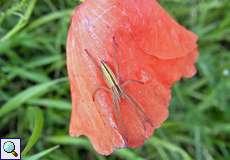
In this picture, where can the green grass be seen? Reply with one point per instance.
(34, 91)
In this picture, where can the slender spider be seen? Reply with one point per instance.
(115, 88)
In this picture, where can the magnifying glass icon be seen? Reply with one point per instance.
(9, 147)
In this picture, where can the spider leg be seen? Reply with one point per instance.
(131, 81)
(116, 64)
(139, 110)
(116, 100)
(91, 57)
(100, 88)
(120, 123)
(98, 66)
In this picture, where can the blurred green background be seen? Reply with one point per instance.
(35, 97)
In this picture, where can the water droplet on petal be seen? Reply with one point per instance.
(145, 76)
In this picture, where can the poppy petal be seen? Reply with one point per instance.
(155, 31)
(156, 55)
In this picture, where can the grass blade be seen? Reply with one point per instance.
(171, 147)
(67, 140)
(22, 22)
(38, 156)
(51, 103)
(38, 125)
(25, 95)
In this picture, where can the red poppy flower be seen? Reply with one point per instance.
(150, 47)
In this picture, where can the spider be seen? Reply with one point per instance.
(115, 87)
